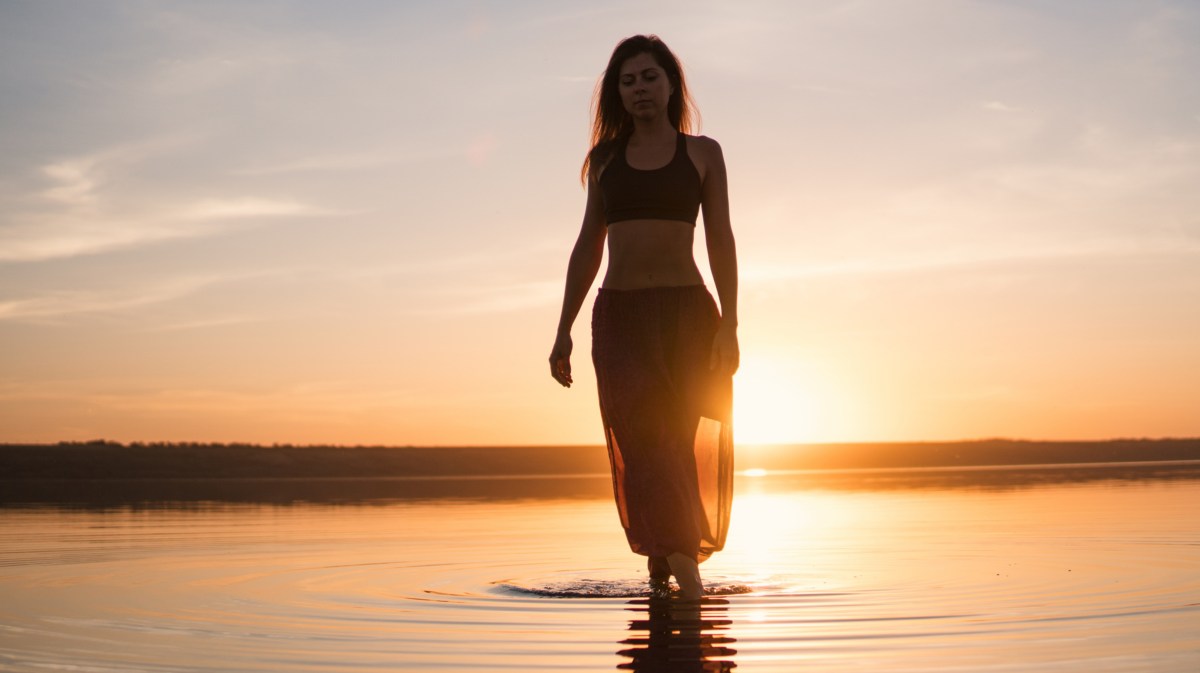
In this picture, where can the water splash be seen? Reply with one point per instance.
(592, 587)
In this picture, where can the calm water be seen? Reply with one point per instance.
(1096, 576)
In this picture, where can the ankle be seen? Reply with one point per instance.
(687, 574)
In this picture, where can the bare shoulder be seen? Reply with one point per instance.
(704, 147)
(706, 154)
(709, 144)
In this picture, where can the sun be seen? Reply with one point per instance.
(771, 404)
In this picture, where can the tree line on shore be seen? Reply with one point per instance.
(106, 459)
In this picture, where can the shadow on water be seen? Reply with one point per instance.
(674, 636)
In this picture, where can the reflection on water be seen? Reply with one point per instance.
(679, 637)
(1084, 576)
(174, 493)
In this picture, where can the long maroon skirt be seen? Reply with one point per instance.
(667, 417)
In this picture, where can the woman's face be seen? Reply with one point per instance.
(644, 86)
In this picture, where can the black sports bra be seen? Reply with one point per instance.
(668, 193)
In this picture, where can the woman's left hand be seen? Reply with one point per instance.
(725, 354)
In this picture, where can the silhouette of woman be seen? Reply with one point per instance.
(664, 355)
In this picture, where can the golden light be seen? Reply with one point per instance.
(760, 542)
(770, 403)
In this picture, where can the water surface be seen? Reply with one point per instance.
(1090, 576)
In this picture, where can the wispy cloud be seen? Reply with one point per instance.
(997, 106)
(53, 306)
(948, 260)
(340, 400)
(81, 213)
(349, 161)
(223, 209)
(41, 237)
(497, 298)
(456, 262)
(65, 302)
(205, 323)
(75, 181)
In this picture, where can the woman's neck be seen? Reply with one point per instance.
(653, 130)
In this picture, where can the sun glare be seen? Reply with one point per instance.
(770, 404)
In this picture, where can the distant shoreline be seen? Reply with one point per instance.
(109, 475)
(111, 460)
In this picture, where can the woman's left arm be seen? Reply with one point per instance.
(722, 254)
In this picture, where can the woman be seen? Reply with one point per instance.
(664, 356)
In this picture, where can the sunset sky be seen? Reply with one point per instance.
(348, 223)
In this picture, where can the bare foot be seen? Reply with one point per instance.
(687, 573)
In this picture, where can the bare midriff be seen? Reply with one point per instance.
(650, 253)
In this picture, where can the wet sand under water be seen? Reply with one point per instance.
(1095, 576)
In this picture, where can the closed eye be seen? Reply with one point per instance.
(649, 74)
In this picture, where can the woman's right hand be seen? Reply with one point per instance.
(560, 359)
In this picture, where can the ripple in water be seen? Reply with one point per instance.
(1079, 580)
(575, 585)
(678, 637)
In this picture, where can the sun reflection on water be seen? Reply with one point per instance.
(844, 580)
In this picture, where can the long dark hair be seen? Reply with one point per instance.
(611, 122)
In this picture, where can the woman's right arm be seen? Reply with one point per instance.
(581, 272)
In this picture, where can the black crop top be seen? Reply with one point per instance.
(668, 193)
